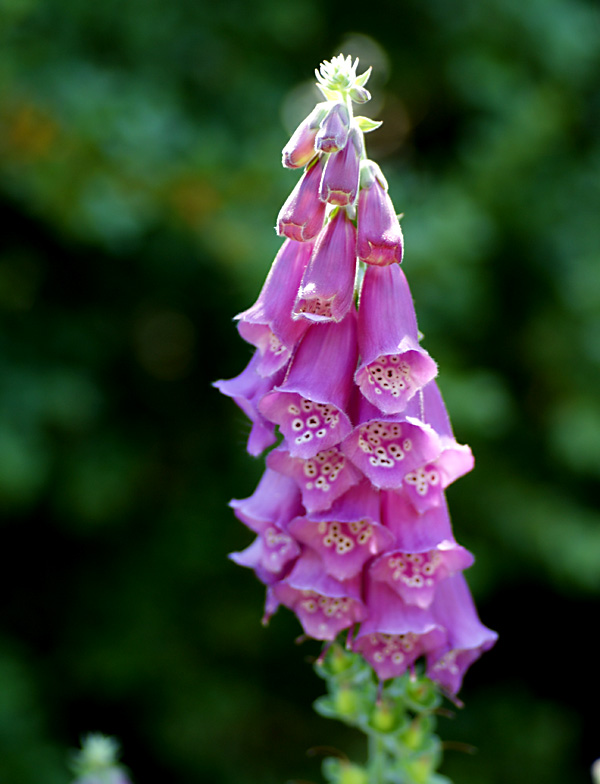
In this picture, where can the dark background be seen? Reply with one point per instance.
(140, 180)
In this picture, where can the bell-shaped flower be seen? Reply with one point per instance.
(310, 407)
(247, 390)
(324, 605)
(424, 552)
(379, 236)
(301, 147)
(275, 501)
(327, 289)
(395, 634)
(322, 479)
(346, 535)
(393, 365)
(268, 324)
(386, 448)
(333, 132)
(339, 183)
(412, 531)
(467, 637)
(425, 484)
(301, 217)
(270, 555)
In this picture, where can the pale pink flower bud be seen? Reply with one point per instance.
(301, 147)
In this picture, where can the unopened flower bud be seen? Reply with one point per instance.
(360, 95)
(335, 126)
(301, 147)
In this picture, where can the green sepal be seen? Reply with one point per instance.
(366, 124)
(340, 771)
(361, 80)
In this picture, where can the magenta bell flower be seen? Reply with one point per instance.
(311, 410)
(247, 390)
(393, 365)
(339, 183)
(380, 239)
(385, 448)
(268, 324)
(335, 127)
(301, 217)
(327, 287)
(324, 605)
(301, 147)
(467, 637)
(425, 484)
(348, 534)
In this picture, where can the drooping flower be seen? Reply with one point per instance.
(333, 132)
(301, 147)
(301, 217)
(311, 409)
(324, 605)
(339, 183)
(268, 324)
(393, 365)
(247, 390)
(327, 287)
(379, 239)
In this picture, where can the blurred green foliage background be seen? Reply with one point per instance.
(140, 180)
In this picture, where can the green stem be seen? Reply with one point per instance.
(376, 759)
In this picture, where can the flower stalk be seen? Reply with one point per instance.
(352, 527)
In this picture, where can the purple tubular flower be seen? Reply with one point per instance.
(391, 655)
(425, 484)
(339, 184)
(268, 324)
(322, 479)
(379, 236)
(324, 605)
(301, 217)
(247, 390)
(393, 365)
(335, 126)
(467, 637)
(301, 147)
(275, 501)
(269, 555)
(327, 288)
(310, 408)
(385, 448)
(346, 535)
